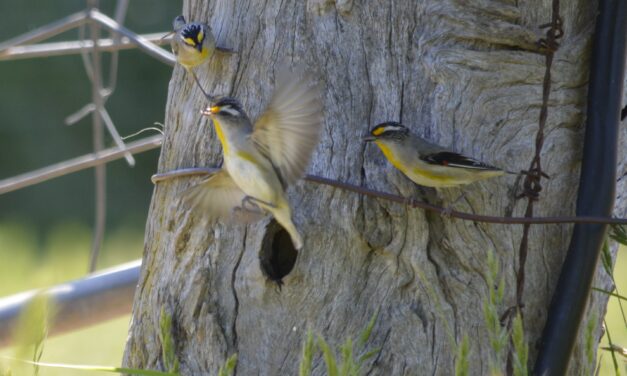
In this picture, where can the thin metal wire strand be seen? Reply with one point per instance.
(199, 171)
(532, 183)
(73, 165)
(98, 141)
(75, 47)
(105, 93)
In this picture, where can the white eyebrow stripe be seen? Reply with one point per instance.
(392, 128)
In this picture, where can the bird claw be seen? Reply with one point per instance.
(254, 202)
(248, 205)
(241, 210)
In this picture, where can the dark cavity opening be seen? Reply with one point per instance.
(278, 255)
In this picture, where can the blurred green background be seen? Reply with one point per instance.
(45, 230)
(37, 94)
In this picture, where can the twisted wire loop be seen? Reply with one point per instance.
(555, 31)
(533, 176)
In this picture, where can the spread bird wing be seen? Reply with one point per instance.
(289, 130)
(450, 159)
(219, 197)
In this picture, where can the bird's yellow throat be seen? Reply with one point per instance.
(220, 133)
(390, 156)
(225, 146)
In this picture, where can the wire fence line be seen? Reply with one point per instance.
(75, 47)
(91, 48)
(411, 202)
(149, 143)
(77, 164)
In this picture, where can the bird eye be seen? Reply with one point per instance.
(189, 41)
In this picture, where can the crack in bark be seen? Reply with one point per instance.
(376, 360)
(433, 352)
(202, 294)
(236, 299)
(400, 115)
(402, 247)
(440, 278)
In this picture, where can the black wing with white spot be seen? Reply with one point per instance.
(450, 159)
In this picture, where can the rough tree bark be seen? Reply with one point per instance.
(461, 73)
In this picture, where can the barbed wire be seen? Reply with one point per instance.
(532, 184)
(153, 142)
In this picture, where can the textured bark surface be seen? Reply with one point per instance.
(463, 74)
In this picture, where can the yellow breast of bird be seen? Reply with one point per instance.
(189, 57)
(254, 178)
(418, 171)
(390, 156)
(252, 173)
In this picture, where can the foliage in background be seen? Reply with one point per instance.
(229, 366)
(57, 87)
(461, 361)
(521, 349)
(60, 255)
(168, 352)
(496, 332)
(349, 363)
(31, 331)
(617, 233)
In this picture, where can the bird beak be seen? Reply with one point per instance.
(199, 47)
(210, 110)
(369, 138)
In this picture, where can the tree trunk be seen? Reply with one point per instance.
(466, 75)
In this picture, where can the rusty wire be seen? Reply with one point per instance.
(411, 202)
(532, 183)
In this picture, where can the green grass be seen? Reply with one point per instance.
(59, 255)
(101, 344)
(614, 320)
(62, 253)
